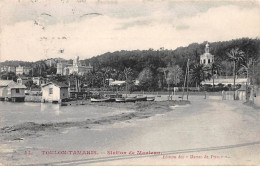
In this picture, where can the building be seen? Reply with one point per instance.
(61, 65)
(39, 81)
(23, 80)
(54, 92)
(20, 70)
(52, 62)
(207, 59)
(63, 68)
(4, 68)
(8, 69)
(12, 91)
(226, 82)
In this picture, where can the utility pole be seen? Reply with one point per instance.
(185, 80)
(188, 73)
(234, 74)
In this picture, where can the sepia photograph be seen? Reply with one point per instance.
(129, 83)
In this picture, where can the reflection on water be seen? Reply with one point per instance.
(54, 108)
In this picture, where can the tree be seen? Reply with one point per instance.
(256, 73)
(8, 76)
(164, 71)
(175, 75)
(226, 68)
(146, 79)
(128, 80)
(30, 85)
(235, 56)
(197, 74)
(214, 69)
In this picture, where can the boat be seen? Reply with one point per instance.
(150, 98)
(120, 100)
(100, 100)
(130, 99)
(141, 98)
(111, 99)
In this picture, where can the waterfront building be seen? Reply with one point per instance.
(10, 90)
(54, 92)
(20, 70)
(63, 68)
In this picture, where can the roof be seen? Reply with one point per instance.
(24, 78)
(17, 86)
(11, 84)
(58, 84)
(4, 83)
(206, 55)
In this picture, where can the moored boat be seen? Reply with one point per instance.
(100, 100)
(130, 99)
(141, 98)
(150, 98)
(120, 100)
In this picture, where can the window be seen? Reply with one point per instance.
(17, 90)
(204, 61)
(50, 90)
(209, 61)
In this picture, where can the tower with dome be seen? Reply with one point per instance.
(207, 58)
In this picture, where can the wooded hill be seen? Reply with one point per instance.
(140, 59)
(157, 69)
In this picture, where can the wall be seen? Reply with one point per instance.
(58, 93)
(257, 98)
(64, 93)
(14, 94)
(50, 97)
(3, 92)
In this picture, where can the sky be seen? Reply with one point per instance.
(32, 30)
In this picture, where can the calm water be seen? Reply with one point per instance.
(16, 113)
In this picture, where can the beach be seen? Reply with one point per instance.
(205, 131)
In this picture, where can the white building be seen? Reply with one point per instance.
(39, 81)
(63, 68)
(229, 81)
(54, 92)
(11, 91)
(207, 59)
(22, 70)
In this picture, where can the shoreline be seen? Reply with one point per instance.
(140, 110)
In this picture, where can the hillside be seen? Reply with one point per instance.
(138, 60)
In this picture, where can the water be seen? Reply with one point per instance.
(17, 113)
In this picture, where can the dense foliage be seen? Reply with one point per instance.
(159, 69)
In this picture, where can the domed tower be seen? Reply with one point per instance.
(207, 59)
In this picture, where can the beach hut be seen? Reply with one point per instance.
(12, 91)
(55, 92)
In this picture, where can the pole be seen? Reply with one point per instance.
(188, 73)
(184, 84)
(234, 74)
